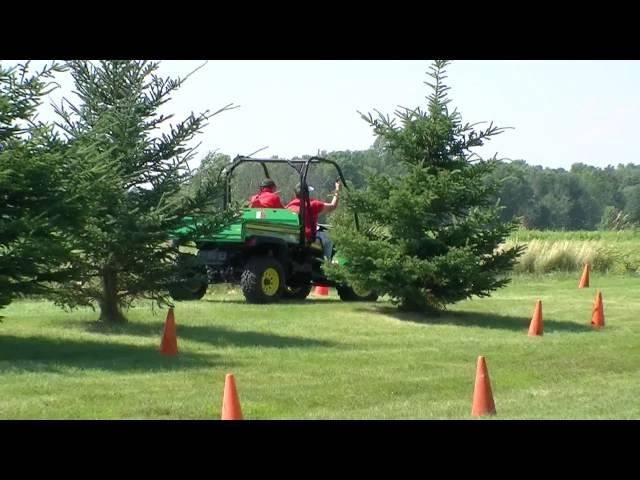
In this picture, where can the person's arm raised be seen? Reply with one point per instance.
(330, 207)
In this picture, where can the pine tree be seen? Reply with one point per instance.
(129, 177)
(35, 208)
(431, 236)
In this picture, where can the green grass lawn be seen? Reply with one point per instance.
(325, 359)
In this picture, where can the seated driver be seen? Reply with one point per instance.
(266, 198)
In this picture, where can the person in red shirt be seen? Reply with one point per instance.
(266, 198)
(313, 210)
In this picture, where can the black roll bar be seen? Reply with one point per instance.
(304, 201)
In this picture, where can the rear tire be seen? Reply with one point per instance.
(262, 280)
(347, 294)
(188, 290)
(190, 280)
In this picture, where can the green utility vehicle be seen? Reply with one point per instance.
(265, 250)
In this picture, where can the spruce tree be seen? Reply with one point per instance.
(36, 209)
(431, 236)
(129, 176)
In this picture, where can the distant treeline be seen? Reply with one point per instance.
(583, 198)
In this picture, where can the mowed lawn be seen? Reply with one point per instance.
(325, 359)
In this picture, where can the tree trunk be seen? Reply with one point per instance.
(109, 307)
(416, 301)
(411, 305)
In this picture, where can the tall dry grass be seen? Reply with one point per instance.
(551, 254)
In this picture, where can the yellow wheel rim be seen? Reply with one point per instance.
(270, 281)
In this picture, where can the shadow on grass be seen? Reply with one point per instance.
(211, 334)
(477, 319)
(46, 354)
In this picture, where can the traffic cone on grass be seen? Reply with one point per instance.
(230, 401)
(169, 343)
(584, 280)
(535, 328)
(597, 317)
(482, 396)
(321, 290)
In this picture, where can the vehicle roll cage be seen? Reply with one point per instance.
(301, 166)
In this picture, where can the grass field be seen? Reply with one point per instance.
(325, 359)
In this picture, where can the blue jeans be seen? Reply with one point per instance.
(327, 244)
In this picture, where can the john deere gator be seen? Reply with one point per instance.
(265, 251)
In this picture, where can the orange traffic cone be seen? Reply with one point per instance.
(321, 290)
(169, 343)
(482, 397)
(535, 328)
(597, 317)
(230, 401)
(584, 280)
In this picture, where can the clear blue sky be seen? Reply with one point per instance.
(562, 111)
